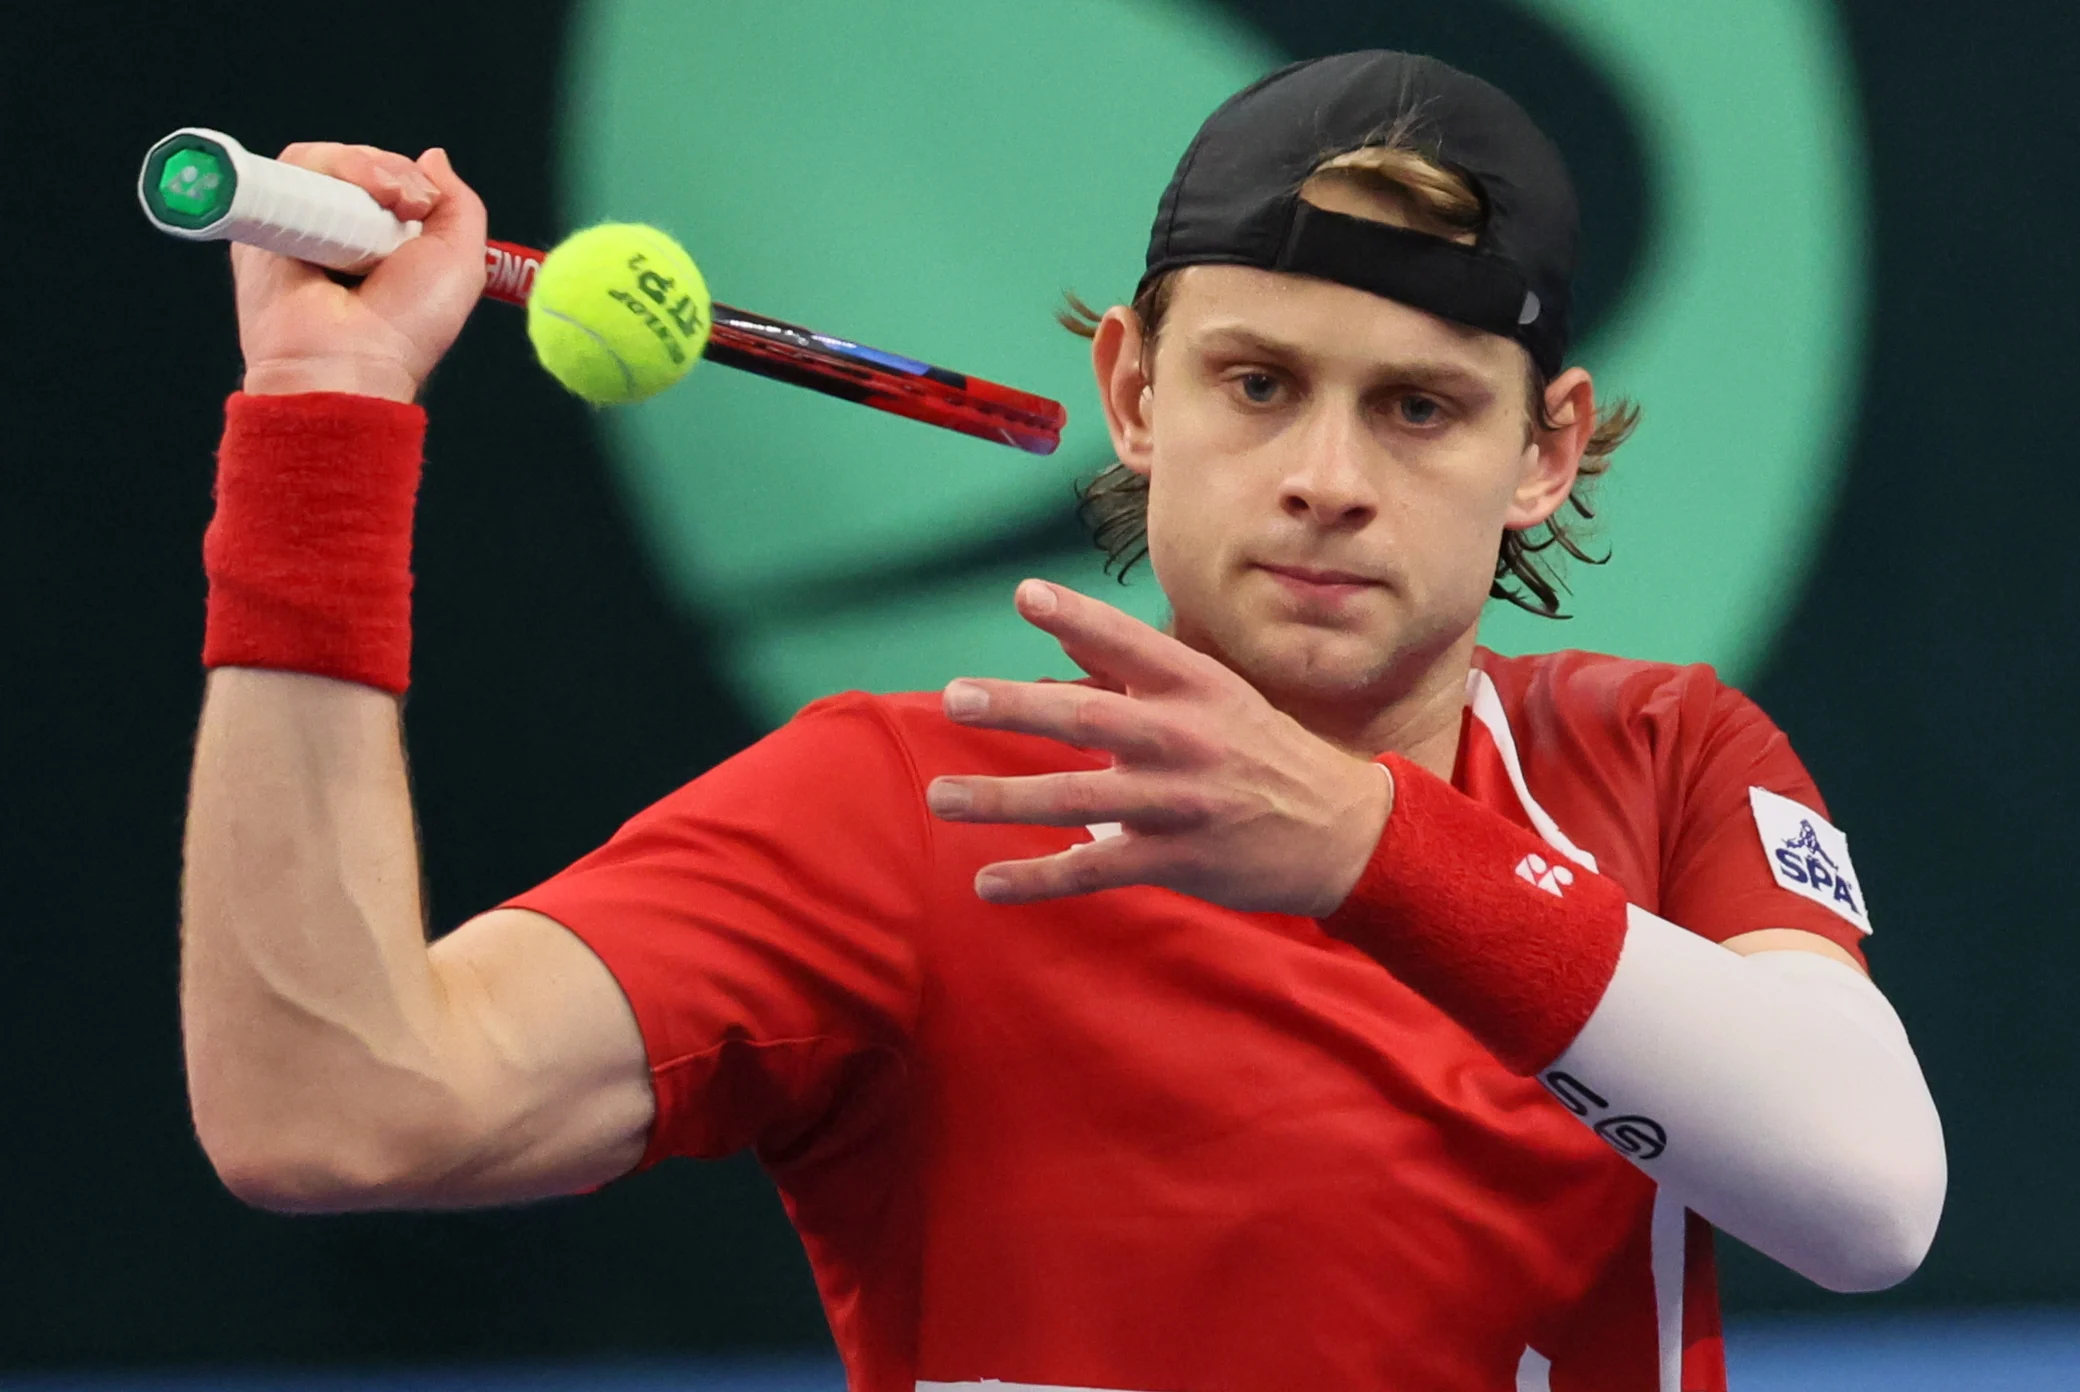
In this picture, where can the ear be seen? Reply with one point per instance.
(1117, 353)
(1553, 457)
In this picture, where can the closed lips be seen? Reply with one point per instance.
(1321, 577)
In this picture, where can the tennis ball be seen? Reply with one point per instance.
(618, 312)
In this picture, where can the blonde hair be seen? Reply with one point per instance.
(1431, 199)
(1434, 199)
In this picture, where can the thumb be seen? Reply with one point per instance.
(459, 219)
(429, 285)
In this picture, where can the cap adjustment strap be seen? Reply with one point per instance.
(1463, 284)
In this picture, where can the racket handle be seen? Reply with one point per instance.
(203, 185)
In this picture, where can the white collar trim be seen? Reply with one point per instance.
(1486, 704)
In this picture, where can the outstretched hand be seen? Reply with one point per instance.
(1218, 794)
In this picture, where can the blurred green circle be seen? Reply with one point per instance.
(929, 178)
(1742, 336)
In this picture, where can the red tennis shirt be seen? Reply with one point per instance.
(1136, 1141)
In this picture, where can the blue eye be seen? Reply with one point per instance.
(1419, 410)
(1259, 387)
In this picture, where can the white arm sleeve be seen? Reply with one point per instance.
(1775, 1095)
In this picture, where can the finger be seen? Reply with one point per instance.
(263, 277)
(460, 219)
(1083, 716)
(391, 179)
(1114, 863)
(1140, 801)
(440, 273)
(1109, 643)
(416, 194)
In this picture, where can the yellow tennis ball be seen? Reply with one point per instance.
(618, 312)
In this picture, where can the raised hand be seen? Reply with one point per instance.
(1218, 794)
(303, 331)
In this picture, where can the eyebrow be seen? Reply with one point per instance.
(1432, 374)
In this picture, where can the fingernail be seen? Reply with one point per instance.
(948, 799)
(966, 698)
(990, 886)
(1038, 596)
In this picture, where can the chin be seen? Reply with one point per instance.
(1294, 662)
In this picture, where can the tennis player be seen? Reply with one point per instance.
(1308, 999)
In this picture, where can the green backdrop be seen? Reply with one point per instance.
(902, 199)
(1825, 247)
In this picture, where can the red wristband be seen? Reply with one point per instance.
(1484, 920)
(309, 554)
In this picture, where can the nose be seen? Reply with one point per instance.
(1327, 483)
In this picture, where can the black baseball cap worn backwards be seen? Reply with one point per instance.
(1235, 198)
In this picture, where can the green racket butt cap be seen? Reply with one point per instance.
(188, 181)
(194, 183)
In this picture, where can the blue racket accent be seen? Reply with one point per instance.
(893, 361)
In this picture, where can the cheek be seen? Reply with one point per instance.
(1184, 531)
(1448, 515)
(1199, 499)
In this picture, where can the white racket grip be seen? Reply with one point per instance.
(296, 212)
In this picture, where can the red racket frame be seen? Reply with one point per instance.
(838, 367)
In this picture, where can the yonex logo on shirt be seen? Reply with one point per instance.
(1553, 879)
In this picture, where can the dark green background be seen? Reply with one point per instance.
(1926, 673)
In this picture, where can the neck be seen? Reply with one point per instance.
(1417, 716)
(1417, 711)
(1421, 722)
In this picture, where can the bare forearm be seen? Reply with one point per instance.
(307, 994)
(334, 1060)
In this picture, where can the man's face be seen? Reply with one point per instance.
(1330, 474)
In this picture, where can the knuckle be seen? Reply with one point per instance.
(1077, 795)
(310, 154)
(1087, 721)
(1167, 871)
(1173, 809)
(1175, 742)
(1190, 746)
(1196, 806)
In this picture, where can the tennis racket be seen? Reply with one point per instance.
(204, 186)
